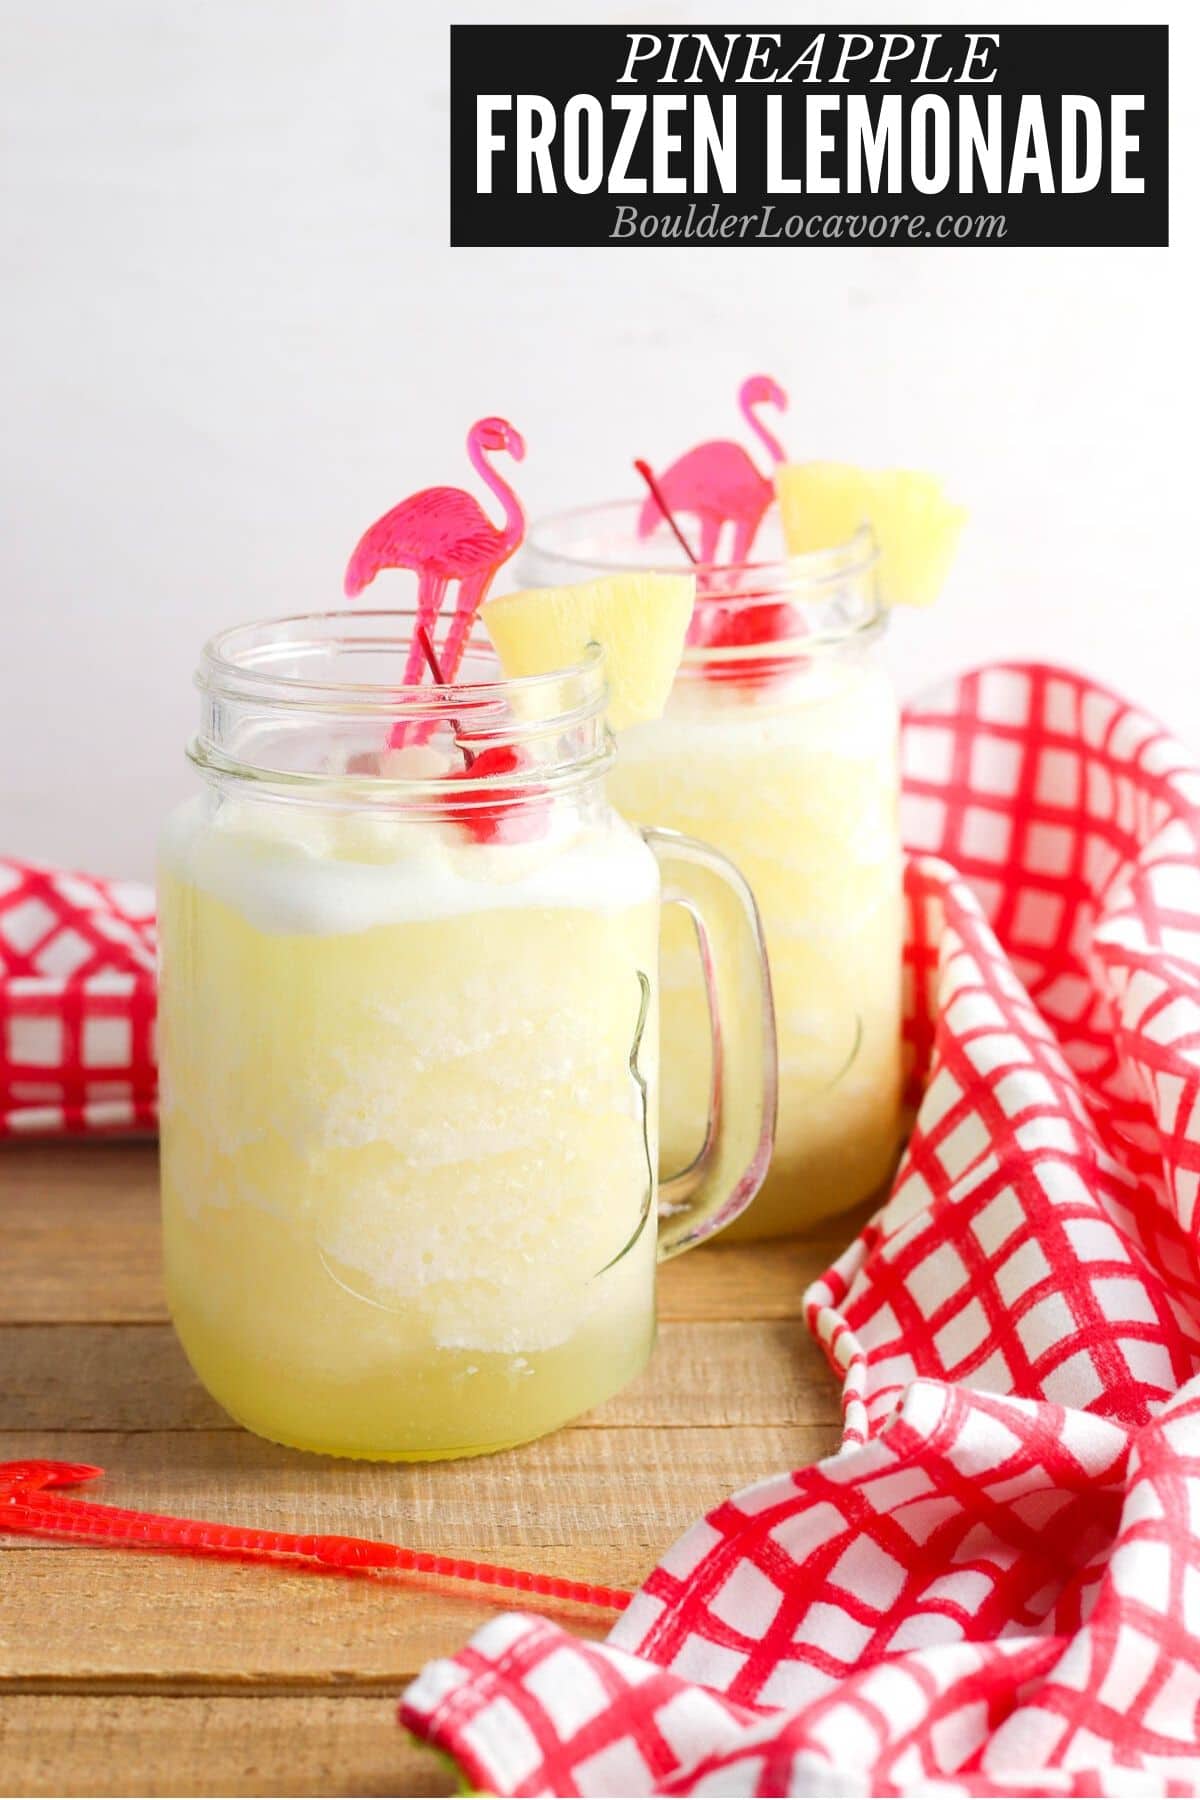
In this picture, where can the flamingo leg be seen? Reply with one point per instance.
(710, 533)
(710, 537)
(471, 592)
(431, 591)
(745, 532)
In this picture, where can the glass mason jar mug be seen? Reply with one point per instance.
(778, 746)
(409, 1047)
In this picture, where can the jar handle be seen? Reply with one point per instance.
(729, 1169)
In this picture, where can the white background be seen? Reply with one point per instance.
(234, 332)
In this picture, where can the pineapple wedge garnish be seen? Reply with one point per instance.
(640, 621)
(915, 527)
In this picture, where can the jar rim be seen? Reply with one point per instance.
(815, 585)
(270, 721)
(223, 674)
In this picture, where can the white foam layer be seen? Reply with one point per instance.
(286, 870)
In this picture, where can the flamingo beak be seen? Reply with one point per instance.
(778, 396)
(516, 445)
(355, 579)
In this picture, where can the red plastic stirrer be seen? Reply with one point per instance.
(27, 1508)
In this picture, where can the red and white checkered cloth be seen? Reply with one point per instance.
(994, 1587)
(77, 1002)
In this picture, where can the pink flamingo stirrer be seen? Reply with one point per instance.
(444, 535)
(719, 484)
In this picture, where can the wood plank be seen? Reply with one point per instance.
(597, 1505)
(215, 1744)
(136, 1378)
(95, 1621)
(751, 1281)
(81, 1245)
(576, 1491)
(80, 1232)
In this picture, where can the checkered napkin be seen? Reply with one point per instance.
(77, 1002)
(994, 1586)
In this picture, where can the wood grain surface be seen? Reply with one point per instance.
(129, 1672)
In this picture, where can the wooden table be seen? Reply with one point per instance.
(127, 1672)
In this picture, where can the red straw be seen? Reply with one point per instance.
(651, 480)
(28, 1510)
(431, 656)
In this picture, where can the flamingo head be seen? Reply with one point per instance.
(497, 434)
(760, 390)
